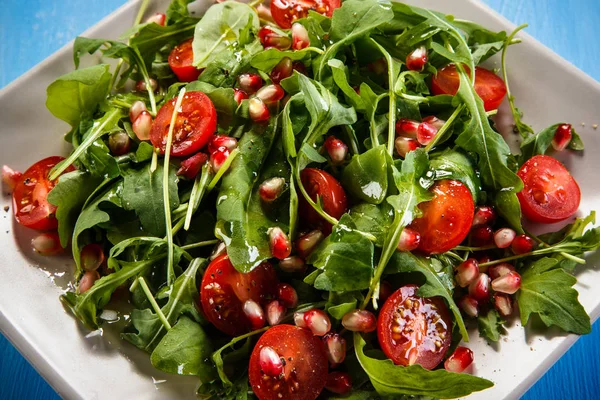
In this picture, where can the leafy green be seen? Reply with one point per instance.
(538, 143)
(366, 177)
(178, 12)
(490, 325)
(266, 60)
(373, 219)
(150, 38)
(454, 164)
(508, 206)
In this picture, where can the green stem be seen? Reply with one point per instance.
(240, 338)
(153, 302)
(472, 249)
(200, 244)
(392, 97)
(511, 99)
(445, 128)
(154, 161)
(540, 252)
(223, 169)
(197, 194)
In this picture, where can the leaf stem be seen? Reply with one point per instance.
(539, 252)
(197, 194)
(511, 99)
(223, 169)
(392, 97)
(200, 244)
(445, 127)
(152, 300)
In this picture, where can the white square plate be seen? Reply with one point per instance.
(547, 89)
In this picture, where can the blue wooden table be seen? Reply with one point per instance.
(31, 30)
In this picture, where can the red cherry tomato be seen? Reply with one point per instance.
(180, 61)
(224, 291)
(285, 12)
(195, 124)
(550, 193)
(305, 370)
(317, 182)
(446, 219)
(489, 86)
(413, 329)
(30, 197)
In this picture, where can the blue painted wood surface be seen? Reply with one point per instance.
(31, 30)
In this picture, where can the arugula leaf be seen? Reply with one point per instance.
(454, 164)
(150, 38)
(490, 325)
(538, 143)
(266, 60)
(178, 12)
(366, 177)
(508, 206)
(373, 219)
(340, 77)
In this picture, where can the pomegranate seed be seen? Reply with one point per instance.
(336, 149)
(385, 290)
(136, 109)
(467, 272)
(87, 281)
(190, 167)
(482, 235)
(459, 360)
(498, 270)
(218, 158)
(339, 382)
(469, 306)
(335, 347)
(435, 121)
(270, 94)
(279, 243)
(484, 259)
(407, 128)
(258, 110)
(264, 13)
(425, 133)
(158, 18)
(239, 95)
(275, 312)
(250, 83)
(317, 321)
(270, 362)
(255, 314)
(305, 245)
(417, 59)
(271, 189)
(282, 70)
(141, 86)
(300, 39)
(562, 137)
(10, 177)
(409, 240)
(47, 244)
(219, 249)
(265, 32)
(360, 321)
(270, 37)
(287, 295)
(299, 320)
(405, 145)
(119, 143)
(503, 303)
(522, 244)
(508, 283)
(292, 264)
(484, 215)
(378, 67)
(142, 125)
(504, 237)
(480, 288)
(92, 257)
(299, 67)
(218, 141)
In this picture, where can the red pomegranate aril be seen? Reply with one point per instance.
(562, 137)
(360, 321)
(250, 83)
(407, 128)
(299, 67)
(417, 59)
(270, 94)
(336, 149)
(498, 270)
(405, 145)
(92, 257)
(87, 281)
(275, 312)
(279, 242)
(271, 363)
(142, 86)
(305, 244)
(484, 215)
(264, 32)
(287, 295)
(258, 110)
(467, 272)
(335, 347)
(264, 13)
(282, 70)
(239, 95)
(219, 141)
(191, 166)
(119, 143)
(292, 264)
(409, 240)
(142, 125)
(509, 283)
(503, 304)
(10, 177)
(479, 289)
(460, 360)
(300, 39)
(47, 244)
(136, 109)
(339, 382)
(435, 121)
(504, 237)
(482, 235)
(469, 306)
(255, 314)
(158, 18)
(317, 321)
(426, 133)
(270, 37)
(299, 320)
(522, 244)
(271, 189)
(218, 158)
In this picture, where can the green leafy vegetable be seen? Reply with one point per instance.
(366, 177)
(490, 325)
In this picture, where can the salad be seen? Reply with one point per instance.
(308, 199)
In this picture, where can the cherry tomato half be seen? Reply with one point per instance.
(195, 124)
(285, 12)
(305, 370)
(224, 291)
(414, 330)
(489, 86)
(319, 183)
(30, 197)
(446, 219)
(550, 193)
(181, 61)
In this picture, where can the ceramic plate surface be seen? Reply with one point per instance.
(92, 366)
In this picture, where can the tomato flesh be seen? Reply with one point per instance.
(550, 194)
(30, 197)
(319, 183)
(305, 371)
(181, 61)
(224, 291)
(194, 126)
(286, 12)
(446, 219)
(489, 86)
(413, 329)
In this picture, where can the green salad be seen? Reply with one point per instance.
(308, 199)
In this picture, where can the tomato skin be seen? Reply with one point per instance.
(550, 194)
(446, 219)
(305, 370)
(489, 86)
(32, 190)
(317, 182)
(425, 322)
(286, 12)
(181, 61)
(194, 126)
(224, 290)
